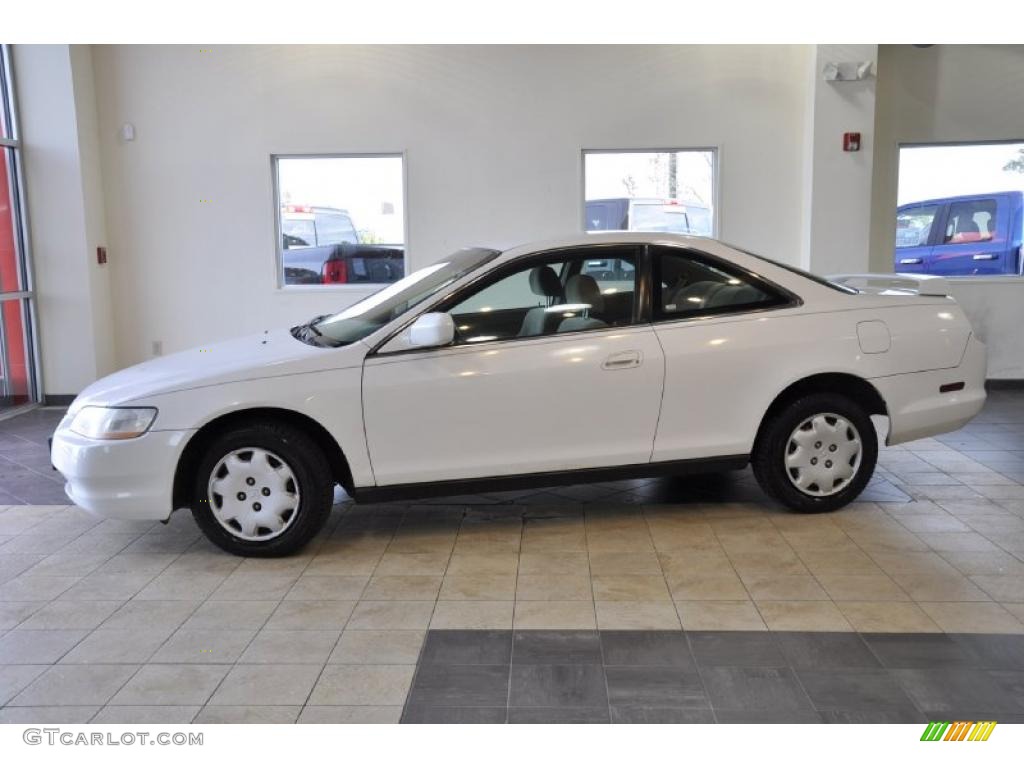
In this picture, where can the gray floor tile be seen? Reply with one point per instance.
(655, 687)
(766, 716)
(920, 651)
(15, 677)
(860, 689)
(825, 650)
(456, 646)
(117, 646)
(421, 713)
(149, 714)
(556, 647)
(660, 715)
(873, 716)
(557, 685)
(735, 649)
(37, 646)
(568, 715)
(646, 648)
(49, 715)
(994, 651)
(956, 690)
(754, 688)
(452, 685)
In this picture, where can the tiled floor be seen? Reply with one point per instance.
(119, 621)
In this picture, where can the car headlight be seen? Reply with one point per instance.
(101, 423)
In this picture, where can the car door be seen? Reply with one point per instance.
(914, 225)
(970, 241)
(575, 385)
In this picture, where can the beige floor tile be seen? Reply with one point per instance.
(802, 615)
(418, 542)
(344, 564)
(71, 614)
(854, 562)
(911, 562)
(350, 715)
(389, 646)
(28, 588)
(554, 587)
(875, 587)
(553, 536)
(623, 615)
(783, 562)
(555, 614)
(478, 586)
(769, 587)
(710, 586)
(112, 646)
(391, 614)
(636, 588)
(710, 560)
(926, 587)
(290, 646)
(489, 564)
(13, 614)
(469, 614)
(75, 685)
(554, 562)
(939, 523)
(259, 586)
(1004, 588)
(402, 588)
(203, 646)
(151, 614)
(254, 714)
(958, 542)
(399, 564)
(616, 563)
(146, 714)
(236, 614)
(616, 541)
(888, 541)
(887, 617)
(719, 615)
(767, 539)
(1017, 609)
(171, 684)
(327, 588)
(311, 614)
(972, 617)
(817, 538)
(363, 684)
(267, 684)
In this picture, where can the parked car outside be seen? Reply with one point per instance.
(965, 235)
(645, 214)
(491, 370)
(320, 246)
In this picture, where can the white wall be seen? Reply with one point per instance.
(492, 137)
(942, 94)
(65, 204)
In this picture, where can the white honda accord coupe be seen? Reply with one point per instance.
(601, 356)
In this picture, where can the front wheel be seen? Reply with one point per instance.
(817, 454)
(262, 490)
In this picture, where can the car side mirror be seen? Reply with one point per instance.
(434, 329)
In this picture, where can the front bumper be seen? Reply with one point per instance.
(918, 409)
(126, 479)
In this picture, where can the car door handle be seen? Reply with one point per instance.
(984, 257)
(617, 362)
(911, 261)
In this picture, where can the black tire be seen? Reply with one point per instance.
(312, 476)
(769, 459)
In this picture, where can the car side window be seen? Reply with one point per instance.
(579, 291)
(686, 284)
(914, 226)
(970, 221)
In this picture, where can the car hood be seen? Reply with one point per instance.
(264, 355)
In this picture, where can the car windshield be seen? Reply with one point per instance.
(378, 309)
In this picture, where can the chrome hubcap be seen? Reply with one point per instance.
(253, 494)
(823, 455)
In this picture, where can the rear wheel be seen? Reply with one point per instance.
(817, 454)
(262, 490)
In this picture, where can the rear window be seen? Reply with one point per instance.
(797, 271)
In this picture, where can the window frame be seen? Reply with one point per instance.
(530, 260)
(275, 158)
(788, 299)
(716, 167)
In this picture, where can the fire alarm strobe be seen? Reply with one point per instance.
(851, 142)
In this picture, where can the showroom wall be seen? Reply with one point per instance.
(492, 138)
(951, 93)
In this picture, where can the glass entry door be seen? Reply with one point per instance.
(18, 373)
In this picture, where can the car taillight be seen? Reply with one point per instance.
(335, 272)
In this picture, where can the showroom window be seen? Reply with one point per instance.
(687, 284)
(340, 219)
(18, 382)
(586, 289)
(960, 210)
(650, 191)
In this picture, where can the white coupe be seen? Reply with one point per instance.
(600, 356)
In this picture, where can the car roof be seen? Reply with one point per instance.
(950, 198)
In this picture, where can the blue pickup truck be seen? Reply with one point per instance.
(966, 235)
